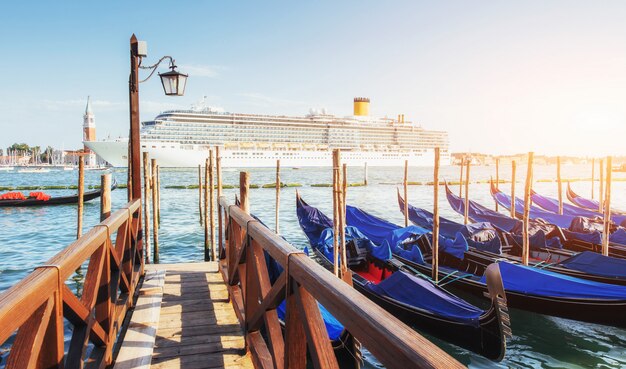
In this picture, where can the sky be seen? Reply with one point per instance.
(501, 77)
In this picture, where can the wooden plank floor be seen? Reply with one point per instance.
(197, 324)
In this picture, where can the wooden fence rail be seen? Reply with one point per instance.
(36, 306)
(302, 283)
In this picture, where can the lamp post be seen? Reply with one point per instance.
(174, 84)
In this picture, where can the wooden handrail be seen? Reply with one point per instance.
(35, 306)
(393, 343)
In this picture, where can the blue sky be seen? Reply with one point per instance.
(501, 77)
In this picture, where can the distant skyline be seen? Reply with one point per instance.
(500, 77)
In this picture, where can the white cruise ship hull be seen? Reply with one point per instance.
(174, 155)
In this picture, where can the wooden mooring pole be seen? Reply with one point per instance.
(155, 212)
(513, 168)
(560, 185)
(212, 208)
(607, 209)
(244, 189)
(158, 186)
(105, 196)
(593, 174)
(146, 206)
(497, 178)
(406, 193)
(200, 192)
(344, 192)
(365, 174)
(601, 194)
(435, 261)
(277, 196)
(461, 178)
(207, 245)
(218, 162)
(336, 181)
(526, 236)
(81, 193)
(467, 179)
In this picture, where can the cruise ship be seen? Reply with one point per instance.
(183, 138)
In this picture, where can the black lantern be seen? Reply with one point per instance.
(173, 82)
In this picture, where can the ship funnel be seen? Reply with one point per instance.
(361, 106)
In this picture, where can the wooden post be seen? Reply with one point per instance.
(435, 261)
(467, 179)
(344, 192)
(81, 193)
(601, 194)
(158, 186)
(207, 245)
(277, 196)
(497, 178)
(244, 187)
(526, 237)
(593, 174)
(560, 185)
(513, 167)
(146, 206)
(134, 138)
(461, 178)
(212, 208)
(218, 162)
(200, 192)
(365, 174)
(607, 209)
(155, 212)
(105, 196)
(406, 193)
(336, 212)
(129, 177)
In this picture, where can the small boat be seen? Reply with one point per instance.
(484, 241)
(6, 168)
(552, 205)
(45, 200)
(68, 168)
(577, 228)
(410, 297)
(527, 288)
(33, 170)
(588, 203)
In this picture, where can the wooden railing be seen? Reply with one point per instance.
(255, 299)
(37, 306)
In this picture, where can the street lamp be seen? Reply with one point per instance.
(174, 84)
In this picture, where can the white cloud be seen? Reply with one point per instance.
(198, 70)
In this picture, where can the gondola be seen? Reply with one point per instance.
(484, 241)
(575, 228)
(411, 298)
(527, 288)
(552, 205)
(58, 200)
(589, 204)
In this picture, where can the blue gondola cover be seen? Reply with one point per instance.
(597, 264)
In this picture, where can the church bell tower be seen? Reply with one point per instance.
(89, 134)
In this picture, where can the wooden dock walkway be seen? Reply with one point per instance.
(196, 325)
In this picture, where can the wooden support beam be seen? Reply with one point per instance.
(336, 181)
(342, 230)
(365, 174)
(607, 209)
(406, 193)
(593, 174)
(513, 168)
(207, 244)
(461, 178)
(559, 184)
(244, 189)
(155, 212)
(435, 262)
(81, 194)
(105, 196)
(146, 203)
(200, 193)
(601, 194)
(212, 208)
(497, 178)
(527, 188)
(278, 196)
(220, 220)
(467, 180)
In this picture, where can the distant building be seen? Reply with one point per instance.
(89, 134)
